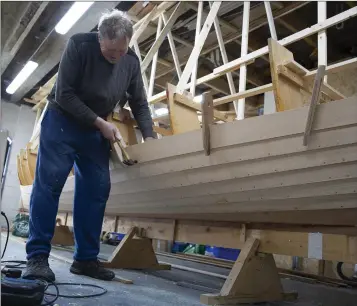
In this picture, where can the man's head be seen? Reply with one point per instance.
(115, 31)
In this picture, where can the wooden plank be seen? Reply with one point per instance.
(322, 36)
(316, 93)
(287, 95)
(333, 93)
(189, 103)
(330, 116)
(344, 65)
(155, 47)
(154, 62)
(197, 34)
(243, 69)
(270, 20)
(234, 65)
(225, 59)
(304, 83)
(207, 121)
(182, 118)
(140, 28)
(295, 67)
(145, 80)
(244, 94)
(173, 48)
(197, 48)
(164, 6)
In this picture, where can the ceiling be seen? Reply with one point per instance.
(27, 32)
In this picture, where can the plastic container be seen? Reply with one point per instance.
(223, 253)
(179, 247)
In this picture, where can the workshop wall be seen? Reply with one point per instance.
(19, 121)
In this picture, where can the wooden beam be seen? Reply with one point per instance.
(270, 20)
(198, 47)
(243, 69)
(254, 24)
(300, 79)
(225, 59)
(244, 94)
(198, 30)
(321, 36)
(155, 47)
(154, 62)
(334, 68)
(145, 79)
(233, 65)
(143, 26)
(161, 8)
(173, 48)
(290, 27)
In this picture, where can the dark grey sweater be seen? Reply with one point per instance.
(88, 86)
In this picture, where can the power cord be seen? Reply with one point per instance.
(21, 264)
(7, 235)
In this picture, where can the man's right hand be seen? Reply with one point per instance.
(108, 129)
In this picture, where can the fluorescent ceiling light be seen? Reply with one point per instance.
(161, 111)
(71, 17)
(21, 77)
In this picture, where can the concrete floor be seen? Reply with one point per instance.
(170, 287)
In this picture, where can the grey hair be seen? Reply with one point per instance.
(115, 25)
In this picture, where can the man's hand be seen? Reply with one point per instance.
(108, 129)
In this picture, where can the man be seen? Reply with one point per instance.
(96, 71)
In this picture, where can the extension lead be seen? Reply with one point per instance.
(17, 291)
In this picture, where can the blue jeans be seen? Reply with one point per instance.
(64, 143)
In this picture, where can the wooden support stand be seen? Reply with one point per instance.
(135, 253)
(63, 236)
(254, 278)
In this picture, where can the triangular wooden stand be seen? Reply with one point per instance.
(63, 236)
(134, 253)
(254, 278)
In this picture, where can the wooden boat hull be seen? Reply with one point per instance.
(258, 171)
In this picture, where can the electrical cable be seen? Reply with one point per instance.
(8, 234)
(18, 264)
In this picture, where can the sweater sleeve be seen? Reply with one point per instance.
(139, 104)
(68, 73)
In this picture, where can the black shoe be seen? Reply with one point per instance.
(91, 268)
(38, 268)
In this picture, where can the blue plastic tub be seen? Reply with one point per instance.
(223, 253)
(179, 247)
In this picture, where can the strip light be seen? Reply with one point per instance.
(72, 16)
(28, 69)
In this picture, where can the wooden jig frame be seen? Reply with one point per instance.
(257, 241)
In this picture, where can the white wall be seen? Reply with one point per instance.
(19, 121)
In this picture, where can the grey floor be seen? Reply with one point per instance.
(170, 287)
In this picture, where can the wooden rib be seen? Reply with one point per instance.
(316, 93)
